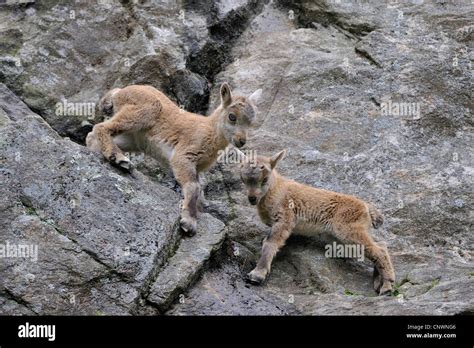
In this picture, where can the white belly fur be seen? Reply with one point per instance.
(137, 142)
(308, 229)
(161, 150)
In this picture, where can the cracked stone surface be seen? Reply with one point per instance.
(97, 230)
(107, 241)
(325, 74)
(188, 261)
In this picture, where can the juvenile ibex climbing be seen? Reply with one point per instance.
(145, 120)
(290, 207)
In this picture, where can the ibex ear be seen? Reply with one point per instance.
(226, 95)
(255, 96)
(276, 158)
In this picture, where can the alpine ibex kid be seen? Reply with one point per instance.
(290, 207)
(145, 120)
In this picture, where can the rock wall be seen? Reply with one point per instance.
(369, 98)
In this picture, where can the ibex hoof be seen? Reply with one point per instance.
(121, 161)
(188, 228)
(255, 277)
(125, 165)
(386, 289)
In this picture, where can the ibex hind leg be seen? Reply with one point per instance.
(384, 275)
(106, 105)
(377, 279)
(129, 119)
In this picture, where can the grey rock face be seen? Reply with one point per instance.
(328, 73)
(371, 99)
(187, 263)
(101, 237)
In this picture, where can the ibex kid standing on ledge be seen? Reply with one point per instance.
(290, 207)
(145, 120)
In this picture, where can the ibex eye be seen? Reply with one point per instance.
(232, 117)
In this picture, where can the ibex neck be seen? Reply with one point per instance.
(272, 185)
(220, 142)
